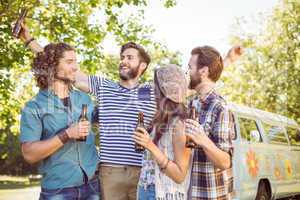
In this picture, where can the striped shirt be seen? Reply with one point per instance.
(209, 182)
(118, 110)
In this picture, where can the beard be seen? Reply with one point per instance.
(194, 82)
(129, 74)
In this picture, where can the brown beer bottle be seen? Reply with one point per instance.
(189, 143)
(83, 117)
(17, 27)
(140, 123)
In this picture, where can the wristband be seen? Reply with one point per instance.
(63, 136)
(29, 41)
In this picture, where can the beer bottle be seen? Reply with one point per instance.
(140, 123)
(83, 117)
(189, 143)
(17, 27)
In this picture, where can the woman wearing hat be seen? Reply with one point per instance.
(172, 159)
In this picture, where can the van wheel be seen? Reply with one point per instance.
(262, 192)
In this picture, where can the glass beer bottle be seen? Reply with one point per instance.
(17, 27)
(140, 123)
(83, 117)
(189, 143)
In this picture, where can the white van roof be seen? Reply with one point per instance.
(263, 115)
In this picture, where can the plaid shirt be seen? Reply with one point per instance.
(209, 182)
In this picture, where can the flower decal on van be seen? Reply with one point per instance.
(288, 168)
(252, 163)
(277, 173)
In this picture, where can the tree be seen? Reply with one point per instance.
(268, 75)
(83, 24)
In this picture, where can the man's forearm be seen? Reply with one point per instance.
(227, 62)
(219, 158)
(36, 151)
(82, 81)
(35, 47)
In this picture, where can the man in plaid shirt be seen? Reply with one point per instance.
(211, 171)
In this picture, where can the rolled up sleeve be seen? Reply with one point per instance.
(223, 130)
(31, 125)
(95, 82)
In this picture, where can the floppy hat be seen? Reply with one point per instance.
(172, 83)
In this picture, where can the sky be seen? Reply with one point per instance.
(194, 23)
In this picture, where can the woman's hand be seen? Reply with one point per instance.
(196, 132)
(142, 137)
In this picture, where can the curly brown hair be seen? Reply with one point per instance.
(45, 63)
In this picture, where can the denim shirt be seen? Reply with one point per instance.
(41, 119)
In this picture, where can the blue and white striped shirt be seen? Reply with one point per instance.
(118, 110)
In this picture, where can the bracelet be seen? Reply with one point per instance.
(63, 136)
(29, 41)
(165, 167)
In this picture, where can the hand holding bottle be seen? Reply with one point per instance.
(195, 132)
(140, 126)
(142, 137)
(78, 130)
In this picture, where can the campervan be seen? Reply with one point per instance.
(266, 158)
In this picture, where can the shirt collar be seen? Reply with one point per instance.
(208, 97)
(48, 96)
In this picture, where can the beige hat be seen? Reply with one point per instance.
(172, 83)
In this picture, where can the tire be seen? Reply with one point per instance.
(262, 192)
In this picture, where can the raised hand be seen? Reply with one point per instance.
(25, 33)
(233, 55)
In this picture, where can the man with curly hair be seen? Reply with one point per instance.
(51, 133)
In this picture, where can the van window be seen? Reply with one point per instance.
(275, 134)
(249, 130)
(294, 136)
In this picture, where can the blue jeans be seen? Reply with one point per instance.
(148, 194)
(89, 191)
